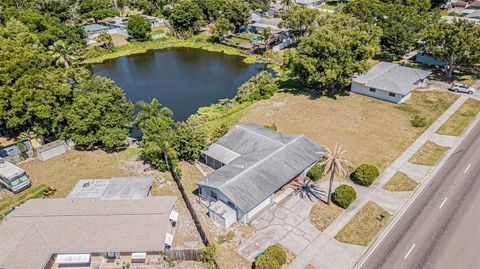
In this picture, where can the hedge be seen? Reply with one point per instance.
(344, 195)
(365, 174)
(273, 258)
(419, 121)
(315, 173)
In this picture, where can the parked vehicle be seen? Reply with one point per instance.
(459, 87)
(13, 177)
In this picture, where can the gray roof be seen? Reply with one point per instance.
(94, 27)
(51, 145)
(266, 161)
(114, 188)
(392, 78)
(42, 227)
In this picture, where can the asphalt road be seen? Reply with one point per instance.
(441, 229)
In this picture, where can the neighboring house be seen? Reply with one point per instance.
(255, 164)
(280, 36)
(92, 233)
(17, 152)
(389, 82)
(309, 3)
(475, 5)
(429, 60)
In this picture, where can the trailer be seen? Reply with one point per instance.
(13, 177)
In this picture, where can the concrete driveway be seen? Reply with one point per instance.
(288, 223)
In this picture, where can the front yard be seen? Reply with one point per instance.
(429, 154)
(371, 130)
(461, 119)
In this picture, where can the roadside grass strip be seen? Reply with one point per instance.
(455, 125)
(365, 225)
(322, 215)
(400, 182)
(429, 154)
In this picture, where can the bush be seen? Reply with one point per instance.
(365, 174)
(344, 195)
(207, 255)
(261, 86)
(315, 173)
(273, 258)
(419, 121)
(277, 252)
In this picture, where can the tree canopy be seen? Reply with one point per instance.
(336, 50)
(457, 43)
(138, 27)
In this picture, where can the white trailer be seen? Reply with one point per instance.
(13, 177)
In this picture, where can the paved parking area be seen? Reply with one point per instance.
(288, 223)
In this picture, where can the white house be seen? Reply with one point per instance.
(389, 82)
(254, 165)
(309, 3)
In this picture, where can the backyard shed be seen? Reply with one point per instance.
(390, 82)
(256, 162)
(51, 150)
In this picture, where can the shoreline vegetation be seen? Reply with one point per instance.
(198, 42)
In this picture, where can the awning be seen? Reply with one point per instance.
(72, 259)
(168, 239)
(139, 255)
(174, 216)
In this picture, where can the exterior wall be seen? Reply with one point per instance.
(249, 216)
(379, 94)
(213, 163)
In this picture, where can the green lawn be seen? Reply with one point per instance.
(400, 182)
(321, 214)
(14, 200)
(461, 118)
(364, 226)
(429, 154)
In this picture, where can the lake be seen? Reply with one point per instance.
(183, 79)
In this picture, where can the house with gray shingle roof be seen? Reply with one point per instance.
(390, 82)
(254, 164)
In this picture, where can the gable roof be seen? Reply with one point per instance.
(42, 227)
(266, 161)
(392, 78)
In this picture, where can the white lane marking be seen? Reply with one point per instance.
(468, 167)
(446, 198)
(408, 253)
(391, 224)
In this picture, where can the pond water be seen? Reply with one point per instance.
(183, 79)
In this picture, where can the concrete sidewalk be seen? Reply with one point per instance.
(376, 190)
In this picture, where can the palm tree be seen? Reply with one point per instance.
(148, 111)
(334, 163)
(308, 189)
(62, 54)
(266, 34)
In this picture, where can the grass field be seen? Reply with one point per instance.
(461, 118)
(429, 154)
(10, 201)
(364, 226)
(321, 214)
(371, 130)
(400, 182)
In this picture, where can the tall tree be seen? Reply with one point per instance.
(96, 9)
(237, 12)
(221, 27)
(266, 35)
(138, 27)
(62, 55)
(335, 164)
(190, 139)
(300, 20)
(336, 50)
(99, 114)
(186, 18)
(457, 43)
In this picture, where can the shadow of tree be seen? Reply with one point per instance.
(296, 87)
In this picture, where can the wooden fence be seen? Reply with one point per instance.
(184, 254)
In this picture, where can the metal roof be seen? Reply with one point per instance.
(9, 170)
(51, 145)
(42, 227)
(392, 78)
(267, 161)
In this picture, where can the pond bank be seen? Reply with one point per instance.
(199, 42)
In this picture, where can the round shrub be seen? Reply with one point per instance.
(315, 173)
(266, 262)
(419, 121)
(276, 252)
(344, 195)
(365, 174)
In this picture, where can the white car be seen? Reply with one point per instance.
(458, 87)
